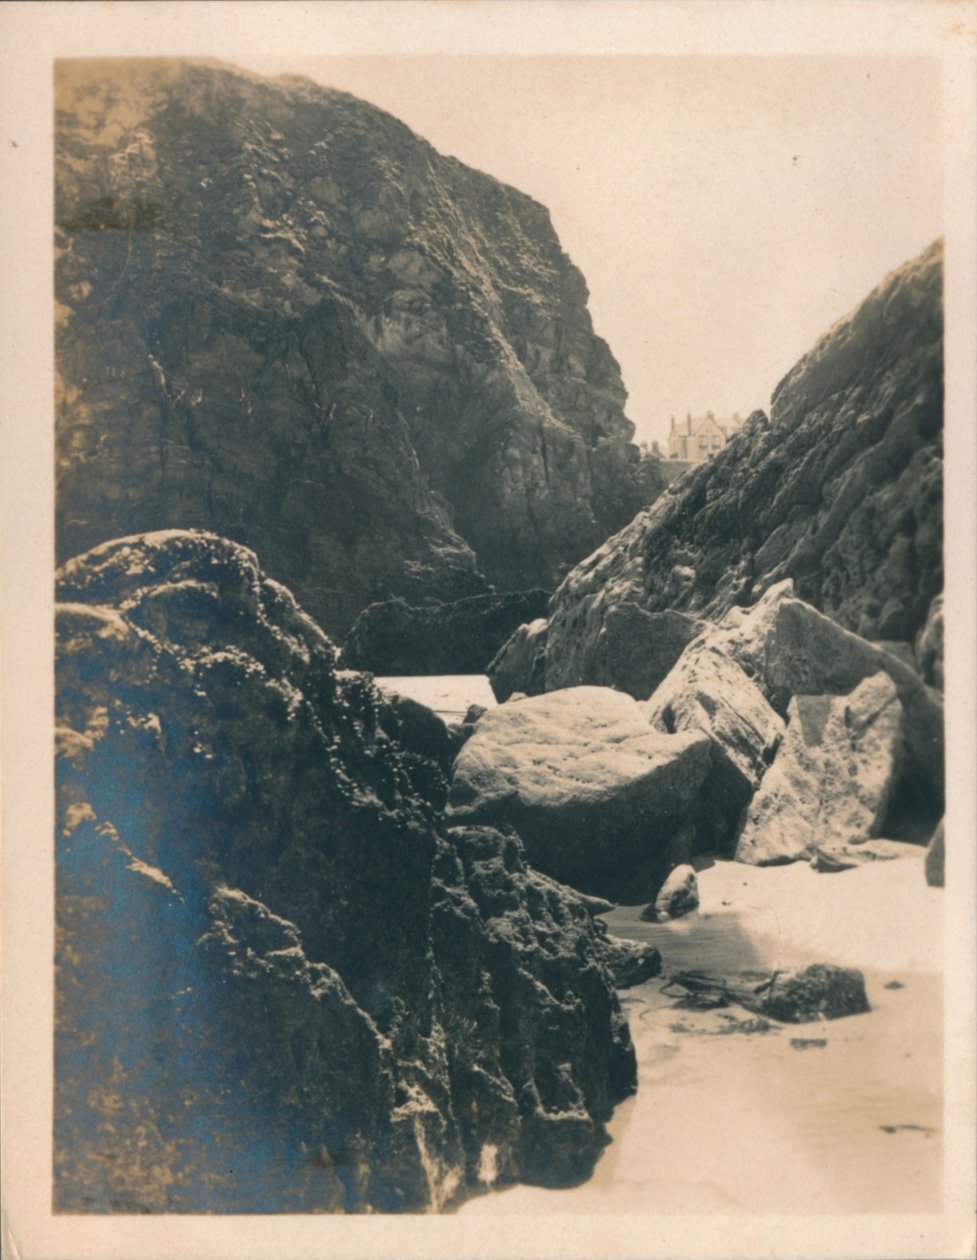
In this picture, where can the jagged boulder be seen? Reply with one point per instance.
(791, 649)
(393, 637)
(282, 984)
(596, 795)
(520, 663)
(707, 691)
(412, 327)
(832, 778)
(840, 489)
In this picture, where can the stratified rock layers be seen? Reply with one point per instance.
(285, 317)
(282, 984)
(840, 490)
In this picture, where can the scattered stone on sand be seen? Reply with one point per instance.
(935, 858)
(832, 778)
(678, 896)
(595, 794)
(793, 996)
(808, 1043)
(830, 858)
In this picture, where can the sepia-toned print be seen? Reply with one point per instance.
(503, 530)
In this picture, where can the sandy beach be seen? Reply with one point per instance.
(839, 1116)
(834, 1117)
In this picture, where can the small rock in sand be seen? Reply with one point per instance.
(679, 895)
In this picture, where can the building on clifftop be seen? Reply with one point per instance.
(696, 440)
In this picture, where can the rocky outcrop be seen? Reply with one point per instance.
(600, 800)
(841, 490)
(282, 984)
(285, 317)
(833, 776)
(393, 637)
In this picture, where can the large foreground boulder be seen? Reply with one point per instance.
(832, 778)
(392, 637)
(282, 984)
(597, 796)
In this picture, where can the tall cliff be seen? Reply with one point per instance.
(840, 490)
(285, 317)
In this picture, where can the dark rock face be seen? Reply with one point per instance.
(520, 663)
(841, 490)
(282, 985)
(458, 638)
(633, 651)
(285, 317)
(936, 858)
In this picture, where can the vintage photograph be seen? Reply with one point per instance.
(499, 532)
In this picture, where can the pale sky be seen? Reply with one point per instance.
(725, 211)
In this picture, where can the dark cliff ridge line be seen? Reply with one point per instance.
(283, 983)
(840, 490)
(367, 361)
